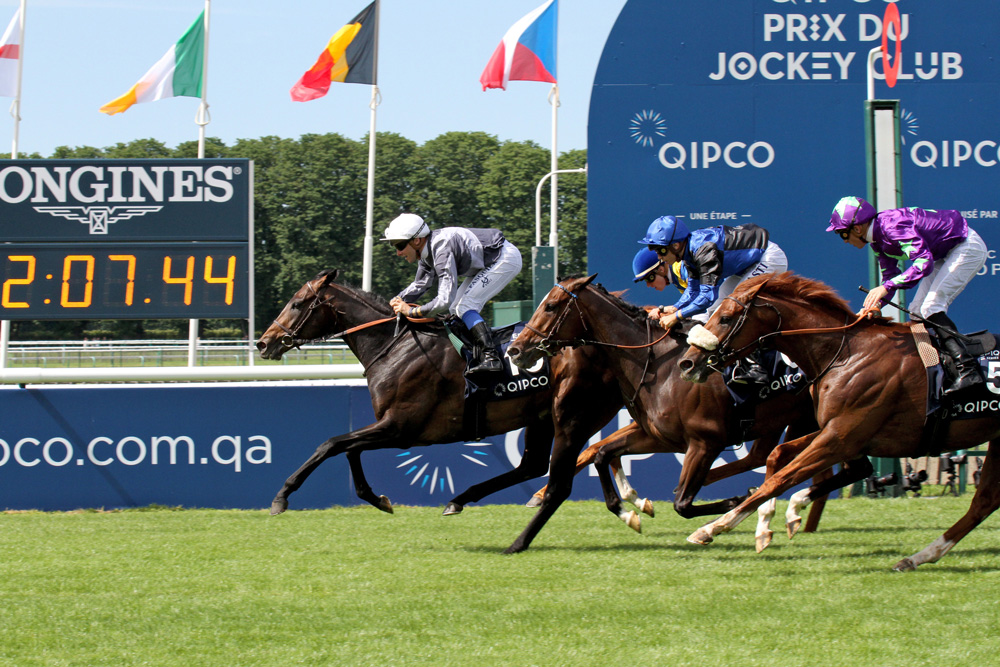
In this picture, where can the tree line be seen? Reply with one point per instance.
(309, 212)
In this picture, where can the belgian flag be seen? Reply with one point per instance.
(351, 56)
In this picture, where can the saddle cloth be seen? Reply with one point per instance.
(975, 402)
(512, 382)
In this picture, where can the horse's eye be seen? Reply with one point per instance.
(725, 319)
(296, 305)
(550, 307)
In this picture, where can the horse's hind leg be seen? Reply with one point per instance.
(850, 472)
(984, 502)
(534, 463)
(361, 486)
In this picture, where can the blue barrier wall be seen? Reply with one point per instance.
(232, 446)
(731, 112)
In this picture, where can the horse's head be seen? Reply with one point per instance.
(557, 319)
(309, 315)
(730, 333)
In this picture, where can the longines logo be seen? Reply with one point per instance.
(97, 217)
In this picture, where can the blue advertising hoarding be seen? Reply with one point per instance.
(728, 113)
(233, 446)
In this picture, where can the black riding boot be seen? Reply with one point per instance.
(750, 371)
(964, 371)
(487, 358)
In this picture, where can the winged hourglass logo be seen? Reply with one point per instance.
(98, 217)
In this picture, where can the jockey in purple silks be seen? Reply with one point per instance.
(944, 255)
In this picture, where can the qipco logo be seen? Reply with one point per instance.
(706, 154)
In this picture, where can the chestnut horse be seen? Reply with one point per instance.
(869, 391)
(417, 384)
(699, 420)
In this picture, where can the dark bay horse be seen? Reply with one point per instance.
(699, 420)
(417, 385)
(870, 395)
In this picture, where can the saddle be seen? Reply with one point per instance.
(512, 382)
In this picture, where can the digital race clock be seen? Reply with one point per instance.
(125, 239)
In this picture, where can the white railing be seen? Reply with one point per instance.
(40, 362)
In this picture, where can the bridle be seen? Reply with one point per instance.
(722, 355)
(291, 339)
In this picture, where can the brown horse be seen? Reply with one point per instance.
(417, 384)
(700, 420)
(870, 393)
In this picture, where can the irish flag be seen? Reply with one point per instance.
(10, 52)
(177, 74)
(527, 52)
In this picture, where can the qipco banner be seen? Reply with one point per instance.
(725, 112)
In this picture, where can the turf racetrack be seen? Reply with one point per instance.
(354, 586)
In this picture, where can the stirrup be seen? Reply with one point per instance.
(490, 363)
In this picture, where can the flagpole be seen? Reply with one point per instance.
(554, 167)
(201, 119)
(15, 107)
(15, 111)
(366, 268)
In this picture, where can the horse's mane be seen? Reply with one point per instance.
(370, 298)
(799, 289)
(635, 312)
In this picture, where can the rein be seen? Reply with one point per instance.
(722, 359)
(291, 339)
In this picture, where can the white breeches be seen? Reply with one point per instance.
(951, 274)
(474, 292)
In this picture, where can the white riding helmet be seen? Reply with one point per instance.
(405, 227)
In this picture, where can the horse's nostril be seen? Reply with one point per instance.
(513, 351)
(686, 365)
(261, 346)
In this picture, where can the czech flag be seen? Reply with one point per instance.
(527, 52)
(349, 57)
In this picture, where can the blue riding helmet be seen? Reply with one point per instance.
(644, 263)
(850, 211)
(664, 231)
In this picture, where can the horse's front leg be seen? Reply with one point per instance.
(534, 463)
(850, 472)
(381, 434)
(814, 457)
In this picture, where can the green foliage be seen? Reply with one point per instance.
(354, 586)
(310, 210)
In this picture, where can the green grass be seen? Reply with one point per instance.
(353, 586)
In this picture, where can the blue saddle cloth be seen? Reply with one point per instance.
(512, 382)
(783, 376)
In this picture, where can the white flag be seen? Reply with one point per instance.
(10, 53)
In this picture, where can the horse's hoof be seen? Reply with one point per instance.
(633, 521)
(905, 565)
(647, 507)
(513, 549)
(278, 506)
(384, 505)
(534, 501)
(700, 536)
(763, 540)
(452, 508)
(793, 527)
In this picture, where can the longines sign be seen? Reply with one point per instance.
(124, 200)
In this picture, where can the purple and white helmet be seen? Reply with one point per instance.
(850, 211)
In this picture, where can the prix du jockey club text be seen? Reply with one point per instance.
(117, 184)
